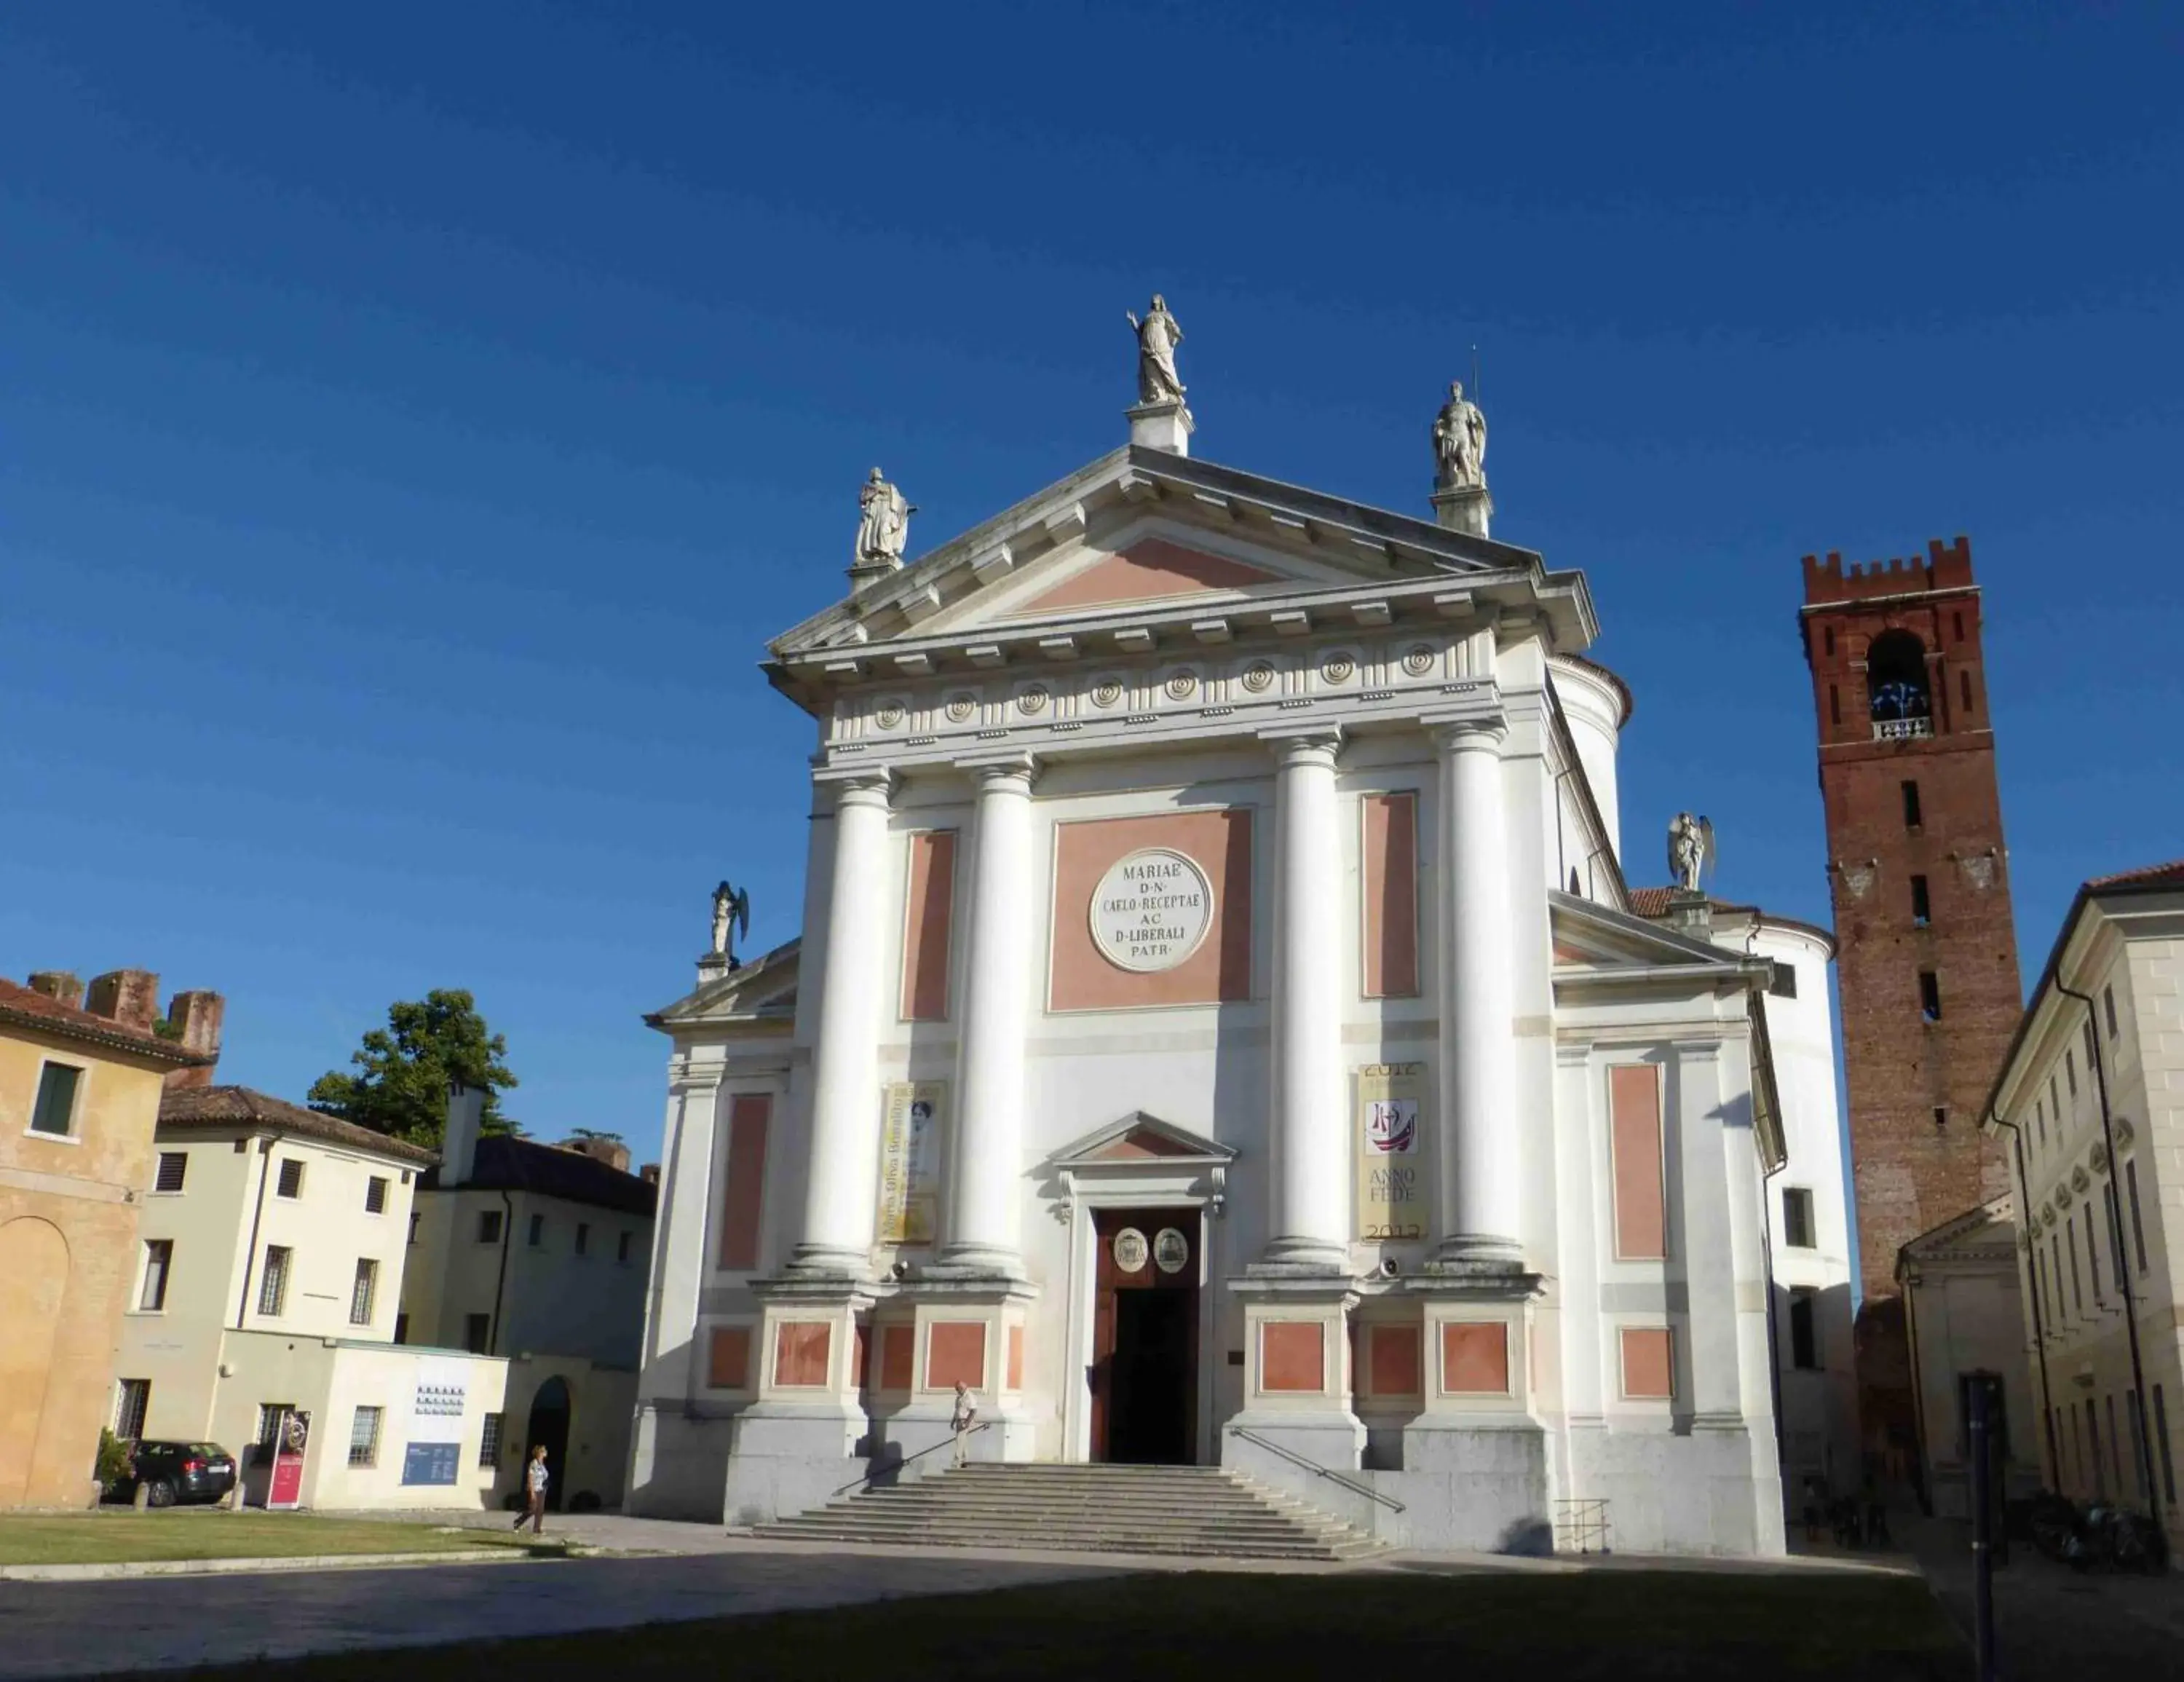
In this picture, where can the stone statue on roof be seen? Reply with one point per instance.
(1690, 851)
(884, 523)
(731, 917)
(1459, 437)
(1158, 335)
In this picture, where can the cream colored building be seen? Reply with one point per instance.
(79, 1092)
(538, 1254)
(269, 1278)
(2090, 1098)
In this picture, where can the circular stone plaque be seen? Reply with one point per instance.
(1130, 1250)
(1171, 1249)
(1150, 911)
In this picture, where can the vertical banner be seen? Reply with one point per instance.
(1393, 1195)
(434, 1452)
(291, 1441)
(910, 1144)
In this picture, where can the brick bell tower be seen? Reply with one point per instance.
(1926, 950)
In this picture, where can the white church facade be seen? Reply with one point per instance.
(1221, 1032)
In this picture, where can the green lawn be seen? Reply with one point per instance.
(125, 1537)
(1626, 1625)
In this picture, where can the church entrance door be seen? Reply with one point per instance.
(1145, 1336)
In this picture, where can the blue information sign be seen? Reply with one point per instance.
(431, 1462)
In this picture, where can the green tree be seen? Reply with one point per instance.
(407, 1066)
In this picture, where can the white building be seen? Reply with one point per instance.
(537, 1253)
(271, 1258)
(1221, 1034)
(2091, 1100)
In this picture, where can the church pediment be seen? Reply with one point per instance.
(1142, 1137)
(761, 988)
(1152, 569)
(1592, 941)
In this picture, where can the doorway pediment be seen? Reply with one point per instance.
(1138, 1138)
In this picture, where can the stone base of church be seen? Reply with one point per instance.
(1702, 1490)
(788, 1457)
(678, 1462)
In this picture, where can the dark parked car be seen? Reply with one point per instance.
(172, 1472)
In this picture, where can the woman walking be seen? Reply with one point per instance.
(535, 1480)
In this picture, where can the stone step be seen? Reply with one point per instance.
(1076, 1541)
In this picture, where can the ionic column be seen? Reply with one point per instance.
(986, 1141)
(845, 1099)
(1309, 1133)
(1477, 1149)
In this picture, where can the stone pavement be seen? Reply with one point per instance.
(49, 1629)
(2049, 1620)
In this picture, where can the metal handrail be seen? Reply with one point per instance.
(1365, 1490)
(948, 1441)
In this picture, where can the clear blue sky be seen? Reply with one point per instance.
(413, 420)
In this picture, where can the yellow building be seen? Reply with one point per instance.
(80, 1087)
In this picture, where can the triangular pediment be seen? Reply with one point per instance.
(1139, 1137)
(1984, 1231)
(1589, 938)
(758, 989)
(1152, 569)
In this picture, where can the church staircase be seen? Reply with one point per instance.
(1193, 1510)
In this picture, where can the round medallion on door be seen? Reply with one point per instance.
(1171, 1249)
(1130, 1250)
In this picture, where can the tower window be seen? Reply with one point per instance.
(1835, 705)
(1896, 677)
(1957, 624)
(1941, 1116)
(1911, 817)
(1930, 995)
(1828, 636)
(1922, 909)
(1964, 689)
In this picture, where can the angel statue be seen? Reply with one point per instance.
(884, 523)
(731, 917)
(1690, 851)
(1459, 437)
(1158, 335)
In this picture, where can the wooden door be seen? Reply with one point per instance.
(1144, 1335)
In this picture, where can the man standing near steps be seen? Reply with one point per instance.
(965, 1415)
(535, 1480)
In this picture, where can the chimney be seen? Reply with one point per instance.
(649, 1173)
(198, 1015)
(611, 1151)
(125, 998)
(459, 1149)
(60, 984)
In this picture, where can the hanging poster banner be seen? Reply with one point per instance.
(291, 1441)
(1392, 1192)
(433, 1454)
(909, 1176)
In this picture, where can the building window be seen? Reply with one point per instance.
(489, 1226)
(2107, 1009)
(1911, 818)
(1929, 996)
(413, 1218)
(1797, 1218)
(1896, 678)
(2042, 1295)
(291, 1177)
(2077, 1284)
(1964, 689)
(583, 1237)
(2040, 1117)
(2115, 1444)
(2093, 1432)
(2138, 1420)
(622, 1244)
(2161, 1436)
(2070, 1071)
(174, 1169)
(537, 1231)
(401, 1328)
(1922, 909)
(2055, 1099)
(273, 1284)
(489, 1441)
(1957, 624)
(2055, 1254)
(1804, 1329)
(2092, 1049)
(158, 1257)
(2137, 1227)
(1941, 1116)
(1785, 983)
(2092, 1257)
(1835, 705)
(54, 1112)
(132, 1397)
(362, 1293)
(374, 1195)
(2115, 1233)
(364, 1437)
(1828, 636)
(270, 1416)
(477, 1330)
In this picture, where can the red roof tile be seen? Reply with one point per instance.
(2145, 876)
(238, 1106)
(26, 1007)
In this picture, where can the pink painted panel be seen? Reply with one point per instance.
(743, 1204)
(898, 1357)
(1293, 1356)
(1147, 571)
(1016, 1357)
(1394, 1359)
(1633, 1107)
(1649, 1369)
(1475, 1358)
(955, 1354)
(800, 1349)
(1220, 843)
(1390, 910)
(728, 1360)
(928, 919)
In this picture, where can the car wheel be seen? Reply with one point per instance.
(161, 1493)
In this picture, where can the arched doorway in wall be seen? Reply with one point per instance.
(550, 1424)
